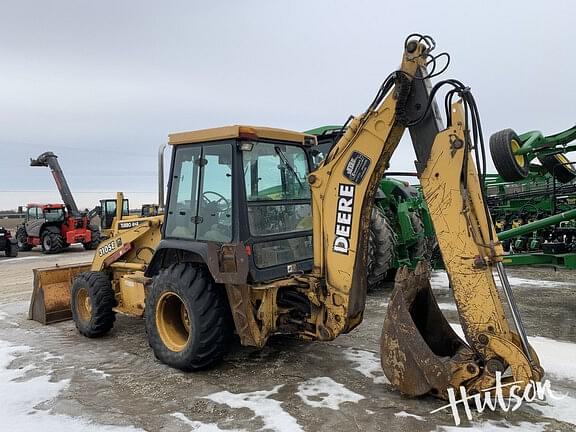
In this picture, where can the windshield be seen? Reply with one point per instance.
(278, 196)
(54, 215)
(275, 172)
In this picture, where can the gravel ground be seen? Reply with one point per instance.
(50, 375)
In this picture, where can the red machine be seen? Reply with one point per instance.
(56, 226)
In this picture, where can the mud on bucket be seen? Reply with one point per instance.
(417, 342)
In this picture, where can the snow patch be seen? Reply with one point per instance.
(439, 280)
(19, 259)
(367, 363)
(561, 409)
(3, 315)
(555, 356)
(198, 426)
(268, 410)
(536, 283)
(99, 373)
(324, 392)
(405, 414)
(49, 356)
(27, 393)
(497, 426)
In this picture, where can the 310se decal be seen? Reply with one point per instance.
(343, 226)
(107, 248)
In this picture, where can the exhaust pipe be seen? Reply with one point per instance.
(161, 177)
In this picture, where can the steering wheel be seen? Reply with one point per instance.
(222, 203)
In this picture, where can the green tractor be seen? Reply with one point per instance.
(523, 199)
(400, 218)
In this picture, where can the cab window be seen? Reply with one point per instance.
(32, 213)
(54, 215)
(278, 201)
(215, 204)
(200, 205)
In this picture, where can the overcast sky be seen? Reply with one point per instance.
(102, 83)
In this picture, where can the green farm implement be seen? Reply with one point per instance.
(533, 206)
(513, 154)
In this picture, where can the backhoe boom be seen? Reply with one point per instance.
(420, 351)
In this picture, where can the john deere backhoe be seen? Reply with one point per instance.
(255, 242)
(91, 293)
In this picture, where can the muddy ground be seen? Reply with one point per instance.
(115, 383)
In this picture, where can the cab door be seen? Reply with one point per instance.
(34, 221)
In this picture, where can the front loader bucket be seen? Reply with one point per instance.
(51, 296)
(417, 342)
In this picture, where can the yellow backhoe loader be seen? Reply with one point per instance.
(115, 277)
(253, 242)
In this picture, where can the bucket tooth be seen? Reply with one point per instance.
(417, 343)
(50, 301)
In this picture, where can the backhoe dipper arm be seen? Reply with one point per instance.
(420, 351)
(49, 159)
(343, 188)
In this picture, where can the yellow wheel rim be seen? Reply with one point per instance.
(83, 304)
(519, 158)
(564, 160)
(172, 321)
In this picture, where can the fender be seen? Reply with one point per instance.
(227, 263)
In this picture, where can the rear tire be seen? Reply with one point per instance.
(22, 239)
(511, 167)
(52, 242)
(420, 249)
(187, 317)
(95, 238)
(11, 249)
(381, 248)
(554, 165)
(92, 301)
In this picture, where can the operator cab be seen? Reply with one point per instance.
(108, 212)
(245, 186)
(45, 212)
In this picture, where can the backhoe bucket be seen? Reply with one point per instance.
(417, 342)
(50, 301)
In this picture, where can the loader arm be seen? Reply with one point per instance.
(420, 351)
(125, 255)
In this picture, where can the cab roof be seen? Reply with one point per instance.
(239, 131)
(48, 206)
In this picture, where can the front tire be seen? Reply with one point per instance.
(52, 242)
(92, 302)
(22, 239)
(95, 238)
(187, 316)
